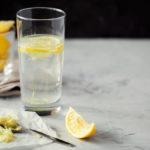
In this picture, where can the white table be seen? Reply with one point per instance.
(108, 82)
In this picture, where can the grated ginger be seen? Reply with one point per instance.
(6, 135)
(8, 125)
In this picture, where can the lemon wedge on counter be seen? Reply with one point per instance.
(5, 26)
(77, 126)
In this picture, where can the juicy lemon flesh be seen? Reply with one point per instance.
(4, 51)
(5, 26)
(77, 126)
(41, 46)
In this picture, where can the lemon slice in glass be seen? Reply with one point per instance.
(41, 46)
(77, 126)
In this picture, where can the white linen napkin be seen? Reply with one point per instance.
(9, 80)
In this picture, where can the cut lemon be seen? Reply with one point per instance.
(5, 26)
(4, 51)
(41, 46)
(77, 126)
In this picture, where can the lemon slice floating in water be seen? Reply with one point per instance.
(41, 46)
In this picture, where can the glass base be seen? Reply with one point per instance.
(43, 111)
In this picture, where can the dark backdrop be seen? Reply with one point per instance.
(93, 18)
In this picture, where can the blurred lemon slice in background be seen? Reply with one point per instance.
(5, 26)
(77, 126)
(4, 51)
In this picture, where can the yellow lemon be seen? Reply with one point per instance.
(77, 126)
(4, 51)
(41, 46)
(5, 26)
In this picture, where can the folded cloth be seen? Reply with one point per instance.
(9, 80)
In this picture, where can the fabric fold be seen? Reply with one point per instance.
(9, 80)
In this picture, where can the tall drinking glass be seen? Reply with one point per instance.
(41, 45)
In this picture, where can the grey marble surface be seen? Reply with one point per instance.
(108, 82)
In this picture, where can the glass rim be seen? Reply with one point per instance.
(44, 19)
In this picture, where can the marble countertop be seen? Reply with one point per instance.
(108, 82)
